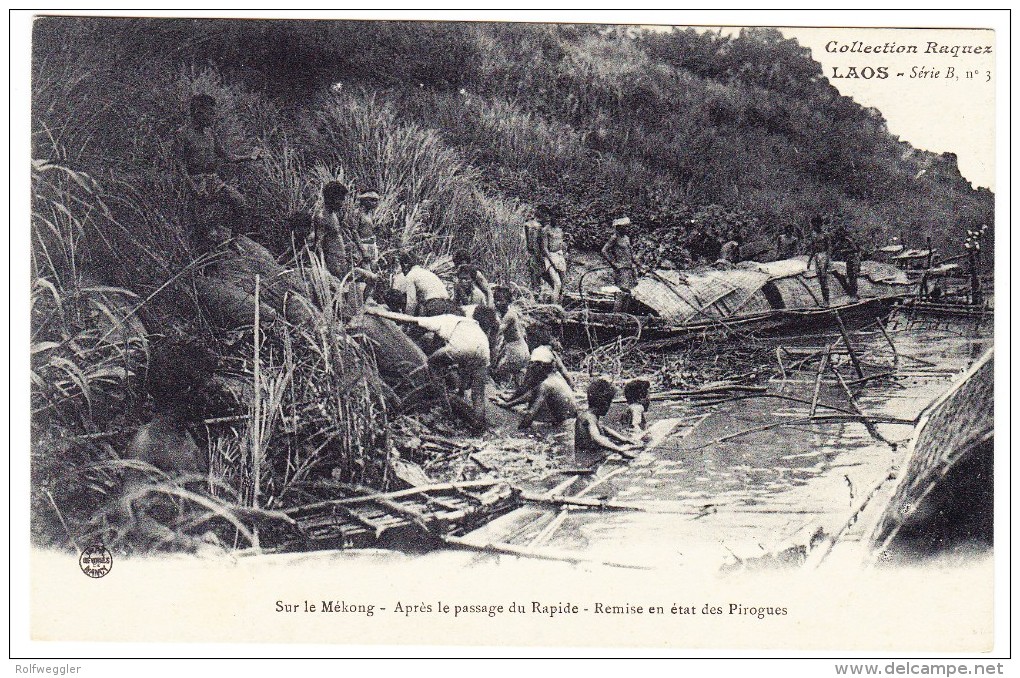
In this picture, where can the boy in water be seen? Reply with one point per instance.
(592, 441)
(638, 402)
(512, 359)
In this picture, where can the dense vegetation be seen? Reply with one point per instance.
(463, 129)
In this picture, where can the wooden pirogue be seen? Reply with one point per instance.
(779, 298)
(592, 328)
(944, 497)
(415, 518)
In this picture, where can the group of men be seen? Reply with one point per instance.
(547, 260)
(468, 330)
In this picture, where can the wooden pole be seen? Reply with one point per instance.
(779, 361)
(896, 354)
(853, 404)
(818, 379)
(849, 348)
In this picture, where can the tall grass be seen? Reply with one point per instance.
(409, 166)
(87, 348)
(314, 402)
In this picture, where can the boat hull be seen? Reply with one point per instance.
(592, 328)
(943, 501)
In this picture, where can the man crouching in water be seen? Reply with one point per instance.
(593, 441)
(553, 395)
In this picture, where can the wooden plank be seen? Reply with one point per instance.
(349, 501)
(510, 549)
(818, 380)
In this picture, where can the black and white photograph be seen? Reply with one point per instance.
(509, 334)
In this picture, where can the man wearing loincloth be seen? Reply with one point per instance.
(620, 255)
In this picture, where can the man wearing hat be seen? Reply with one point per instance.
(618, 252)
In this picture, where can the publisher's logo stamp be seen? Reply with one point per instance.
(96, 561)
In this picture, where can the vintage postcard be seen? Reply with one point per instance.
(637, 335)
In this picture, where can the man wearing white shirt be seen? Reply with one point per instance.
(466, 348)
(420, 285)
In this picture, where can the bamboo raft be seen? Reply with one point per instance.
(416, 518)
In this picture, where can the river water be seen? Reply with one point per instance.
(710, 503)
(706, 505)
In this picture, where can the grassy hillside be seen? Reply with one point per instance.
(594, 120)
(463, 129)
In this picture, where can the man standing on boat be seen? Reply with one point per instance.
(729, 253)
(819, 254)
(787, 243)
(620, 255)
(850, 248)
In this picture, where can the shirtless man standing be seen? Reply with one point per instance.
(202, 151)
(533, 245)
(820, 255)
(554, 257)
(618, 252)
